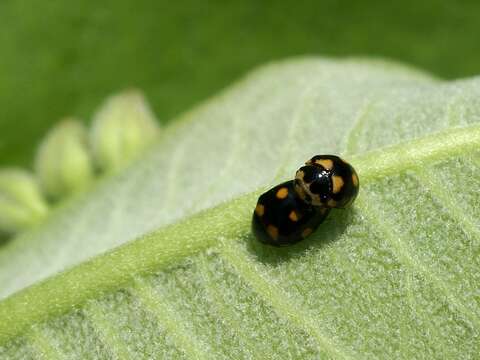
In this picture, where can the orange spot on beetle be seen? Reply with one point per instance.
(326, 163)
(293, 216)
(260, 209)
(272, 231)
(306, 232)
(282, 193)
(338, 183)
(331, 203)
(355, 179)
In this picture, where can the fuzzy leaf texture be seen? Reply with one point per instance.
(158, 261)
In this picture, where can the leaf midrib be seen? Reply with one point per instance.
(156, 250)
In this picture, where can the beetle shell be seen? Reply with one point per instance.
(282, 218)
(327, 180)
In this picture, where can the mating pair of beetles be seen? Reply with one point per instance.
(291, 211)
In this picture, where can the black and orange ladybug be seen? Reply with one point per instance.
(291, 211)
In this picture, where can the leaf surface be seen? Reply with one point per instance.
(395, 276)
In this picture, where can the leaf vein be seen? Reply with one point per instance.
(304, 98)
(106, 332)
(357, 127)
(448, 203)
(225, 311)
(275, 297)
(41, 344)
(397, 241)
(184, 340)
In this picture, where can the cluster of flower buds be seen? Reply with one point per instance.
(71, 156)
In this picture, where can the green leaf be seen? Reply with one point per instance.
(393, 277)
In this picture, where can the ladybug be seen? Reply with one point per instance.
(291, 211)
(281, 217)
(327, 180)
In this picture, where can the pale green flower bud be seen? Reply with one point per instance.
(21, 201)
(63, 163)
(123, 126)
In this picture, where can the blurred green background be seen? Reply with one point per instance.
(60, 57)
